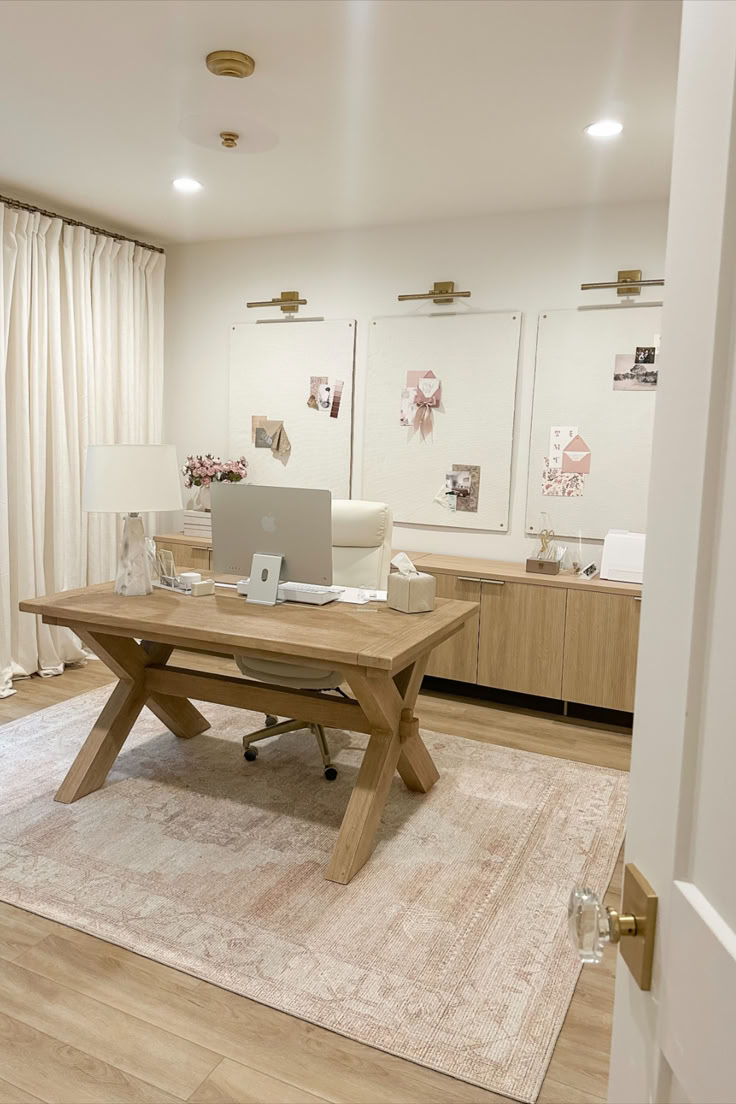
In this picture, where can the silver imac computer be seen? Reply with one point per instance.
(289, 529)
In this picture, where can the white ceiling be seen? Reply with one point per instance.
(375, 111)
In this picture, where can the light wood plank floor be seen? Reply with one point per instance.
(85, 1022)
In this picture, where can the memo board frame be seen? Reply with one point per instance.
(270, 369)
(573, 386)
(475, 355)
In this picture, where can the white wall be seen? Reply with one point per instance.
(527, 262)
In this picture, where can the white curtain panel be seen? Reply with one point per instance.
(81, 362)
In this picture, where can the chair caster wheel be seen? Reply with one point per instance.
(271, 720)
(330, 774)
(250, 754)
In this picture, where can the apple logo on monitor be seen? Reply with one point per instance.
(268, 523)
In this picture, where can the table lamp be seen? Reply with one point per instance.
(130, 480)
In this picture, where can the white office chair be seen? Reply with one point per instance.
(361, 557)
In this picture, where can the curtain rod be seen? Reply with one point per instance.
(75, 222)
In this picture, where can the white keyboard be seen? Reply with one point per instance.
(309, 592)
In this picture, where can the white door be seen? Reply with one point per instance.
(677, 1043)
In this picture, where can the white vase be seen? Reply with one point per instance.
(202, 499)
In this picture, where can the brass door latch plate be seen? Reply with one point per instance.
(638, 900)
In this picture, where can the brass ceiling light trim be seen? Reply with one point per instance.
(229, 138)
(230, 63)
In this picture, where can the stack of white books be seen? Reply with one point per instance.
(198, 523)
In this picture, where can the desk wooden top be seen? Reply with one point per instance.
(335, 635)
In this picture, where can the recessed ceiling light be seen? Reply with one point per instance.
(604, 128)
(186, 184)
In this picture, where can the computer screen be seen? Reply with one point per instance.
(292, 522)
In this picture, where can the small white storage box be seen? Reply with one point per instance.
(623, 556)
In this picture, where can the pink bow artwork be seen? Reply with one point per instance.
(427, 395)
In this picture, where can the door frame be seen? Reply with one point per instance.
(691, 427)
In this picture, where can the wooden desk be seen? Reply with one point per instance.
(382, 654)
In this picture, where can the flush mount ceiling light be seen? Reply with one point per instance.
(186, 184)
(230, 63)
(604, 128)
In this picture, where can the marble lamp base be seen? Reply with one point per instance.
(134, 566)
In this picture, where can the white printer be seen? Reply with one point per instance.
(623, 556)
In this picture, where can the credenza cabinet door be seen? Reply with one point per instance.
(457, 658)
(522, 630)
(601, 640)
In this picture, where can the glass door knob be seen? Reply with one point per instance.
(591, 925)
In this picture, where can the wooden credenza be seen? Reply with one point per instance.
(554, 636)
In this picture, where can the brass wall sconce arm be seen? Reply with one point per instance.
(442, 292)
(288, 302)
(629, 282)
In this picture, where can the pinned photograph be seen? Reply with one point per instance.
(263, 439)
(645, 354)
(408, 406)
(559, 439)
(315, 382)
(470, 473)
(445, 498)
(257, 421)
(559, 484)
(629, 374)
(458, 483)
(324, 396)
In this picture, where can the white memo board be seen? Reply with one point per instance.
(270, 369)
(573, 386)
(475, 356)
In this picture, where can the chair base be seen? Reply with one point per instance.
(273, 727)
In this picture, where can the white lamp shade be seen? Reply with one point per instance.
(122, 479)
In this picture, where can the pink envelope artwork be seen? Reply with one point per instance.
(576, 456)
(427, 394)
(428, 386)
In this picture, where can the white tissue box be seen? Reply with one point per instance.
(411, 593)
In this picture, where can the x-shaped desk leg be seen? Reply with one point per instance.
(128, 661)
(394, 744)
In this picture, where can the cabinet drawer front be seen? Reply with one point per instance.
(522, 630)
(457, 658)
(601, 641)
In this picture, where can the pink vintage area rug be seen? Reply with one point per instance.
(449, 948)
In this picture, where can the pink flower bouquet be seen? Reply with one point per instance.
(200, 471)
